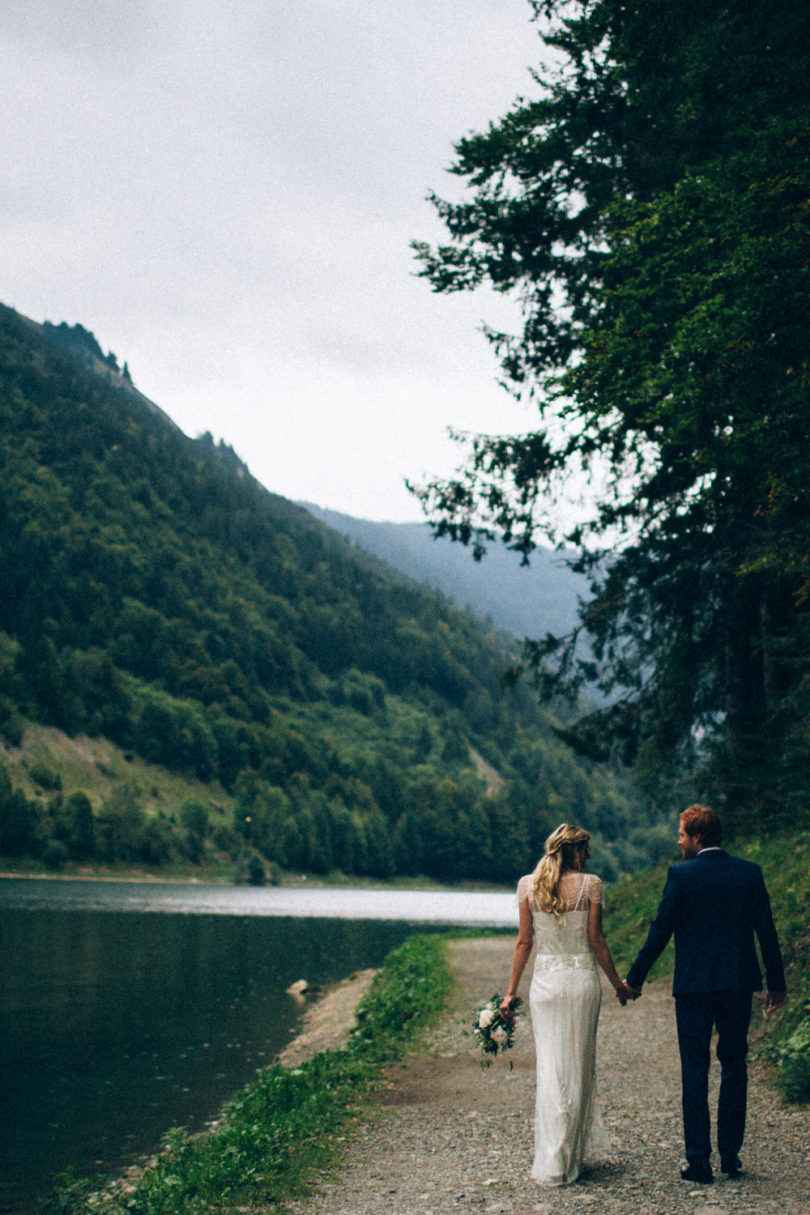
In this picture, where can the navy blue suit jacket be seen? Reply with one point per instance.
(715, 904)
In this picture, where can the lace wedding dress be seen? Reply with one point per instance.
(564, 999)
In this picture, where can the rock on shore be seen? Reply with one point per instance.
(327, 1022)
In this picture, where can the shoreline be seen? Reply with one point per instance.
(328, 1021)
(325, 1025)
(280, 1136)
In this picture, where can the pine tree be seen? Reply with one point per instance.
(649, 210)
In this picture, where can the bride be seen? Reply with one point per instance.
(561, 912)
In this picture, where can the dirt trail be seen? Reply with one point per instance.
(452, 1138)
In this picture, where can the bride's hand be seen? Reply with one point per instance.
(506, 1010)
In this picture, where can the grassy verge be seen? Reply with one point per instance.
(785, 861)
(280, 1132)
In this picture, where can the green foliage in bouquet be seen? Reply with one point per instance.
(492, 1031)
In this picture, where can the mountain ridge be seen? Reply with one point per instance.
(157, 595)
(527, 601)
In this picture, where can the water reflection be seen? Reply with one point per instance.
(415, 906)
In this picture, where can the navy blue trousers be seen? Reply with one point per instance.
(697, 1014)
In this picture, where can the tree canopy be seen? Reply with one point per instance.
(650, 211)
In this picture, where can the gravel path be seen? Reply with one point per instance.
(450, 1137)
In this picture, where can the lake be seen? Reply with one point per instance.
(127, 1008)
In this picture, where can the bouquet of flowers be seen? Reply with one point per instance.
(492, 1032)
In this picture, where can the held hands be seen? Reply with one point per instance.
(625, 993)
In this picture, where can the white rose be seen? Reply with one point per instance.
(485, 1018)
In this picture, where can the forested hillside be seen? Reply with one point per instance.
(339, 717)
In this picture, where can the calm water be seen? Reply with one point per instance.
(128, 1008)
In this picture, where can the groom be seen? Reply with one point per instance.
(714, 904)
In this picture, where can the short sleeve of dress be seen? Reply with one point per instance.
(523, 888)
(596, 893)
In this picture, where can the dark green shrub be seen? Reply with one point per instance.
(80, 828)
(43, 776)
(18, 835)
(794, 1064)
(55, 854)
(12, 725)
(256, 873)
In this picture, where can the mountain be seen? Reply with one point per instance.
(527, 601)
(153, 594)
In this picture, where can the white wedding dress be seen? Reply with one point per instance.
(564, 1000)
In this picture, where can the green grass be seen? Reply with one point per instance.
(97, 766)
(278, 1135)
(631, 906)
(785, 860)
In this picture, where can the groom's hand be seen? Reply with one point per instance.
(774, 1000)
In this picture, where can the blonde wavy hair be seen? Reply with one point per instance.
(562, 847)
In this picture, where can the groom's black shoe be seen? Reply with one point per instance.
(732, 1167)
(698, 1172)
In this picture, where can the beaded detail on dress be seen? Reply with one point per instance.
(580, 890)
(564, 961)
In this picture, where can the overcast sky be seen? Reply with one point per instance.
(224, 192)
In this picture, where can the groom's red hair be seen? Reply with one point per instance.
(700, 820)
